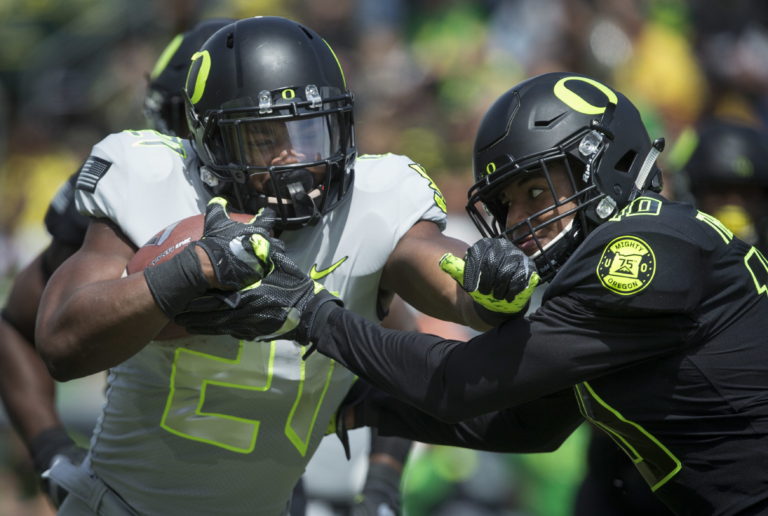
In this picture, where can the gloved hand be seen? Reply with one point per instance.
(238, 256)
(282, 305)
(238, 252)
(381, 492)
(46, 448)
(498, 276)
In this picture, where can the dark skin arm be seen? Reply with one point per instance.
(27, 390)
(91, 318)
(412, 271)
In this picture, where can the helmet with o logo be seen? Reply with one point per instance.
(572, 122)
(271, 118)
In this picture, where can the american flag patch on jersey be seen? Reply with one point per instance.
(92, 170)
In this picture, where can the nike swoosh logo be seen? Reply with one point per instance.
(316, 274)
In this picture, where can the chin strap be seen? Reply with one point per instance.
(645, 169)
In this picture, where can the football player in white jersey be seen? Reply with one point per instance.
(26, 388)
(215, 424)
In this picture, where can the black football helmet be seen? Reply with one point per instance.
(594, 132)
(271, 118)
(164, 101)
(723, 169)
(722, 152)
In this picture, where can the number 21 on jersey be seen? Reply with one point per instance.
(252, 371)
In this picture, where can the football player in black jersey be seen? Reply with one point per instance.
(652, 327)
(26, 388)
(721, 167)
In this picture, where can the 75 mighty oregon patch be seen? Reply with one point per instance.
(627, 265)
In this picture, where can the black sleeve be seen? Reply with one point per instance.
(518, 362)
(538, 426)
(62, 219)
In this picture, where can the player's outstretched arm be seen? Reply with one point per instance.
(412, 271)
(492, 283)
(537, 426)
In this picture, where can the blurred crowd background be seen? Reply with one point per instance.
(423, 72)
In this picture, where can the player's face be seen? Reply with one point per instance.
(530, 194)
(274, 143)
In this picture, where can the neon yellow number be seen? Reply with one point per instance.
(301, 421)
(757, 266)
(652, 459)
(189, 414)
(438, 197)
(150, 138)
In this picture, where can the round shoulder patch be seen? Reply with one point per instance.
(627, 265)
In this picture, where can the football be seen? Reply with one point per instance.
(164, 246)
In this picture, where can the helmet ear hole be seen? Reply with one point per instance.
(625, 162)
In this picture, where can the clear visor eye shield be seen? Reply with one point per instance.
(282, 150)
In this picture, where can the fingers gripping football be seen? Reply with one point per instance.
(498, 276)
(282, 305)
(239, 252)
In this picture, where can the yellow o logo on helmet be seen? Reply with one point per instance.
(288, 94)
(202, 75)
(490, 168)
(575, 102)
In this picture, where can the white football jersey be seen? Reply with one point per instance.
(210, 424)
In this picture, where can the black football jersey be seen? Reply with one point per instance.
(694, 418)
(659, 322)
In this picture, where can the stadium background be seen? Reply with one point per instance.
(424, 72)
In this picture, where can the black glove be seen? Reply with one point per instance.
(48, 446)
(238, 257)
(282, 305)
(381, 492)
(238, 252)
(498, 276)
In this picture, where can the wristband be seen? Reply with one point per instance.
(494, 318)
(45, 445)
(175, 283)
(317, 311)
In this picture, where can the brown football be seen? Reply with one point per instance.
(165, 245)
